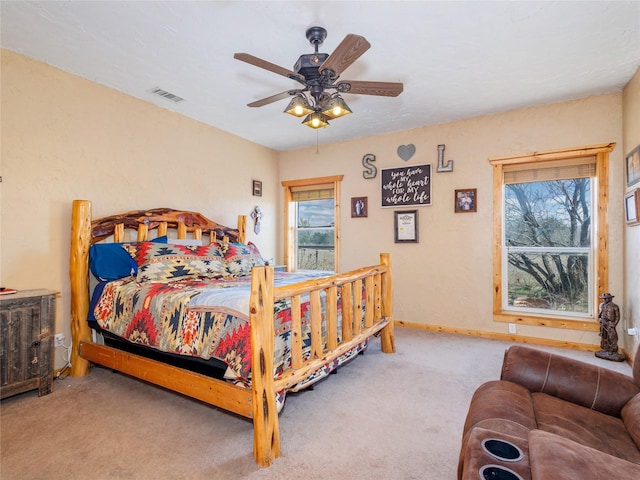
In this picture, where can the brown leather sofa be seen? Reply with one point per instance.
(552, 417)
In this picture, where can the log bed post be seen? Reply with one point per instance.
(242, 229)
(79, 277)
(387, 339)
(266, 430)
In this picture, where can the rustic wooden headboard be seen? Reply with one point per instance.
(163, 219)
(85, 232)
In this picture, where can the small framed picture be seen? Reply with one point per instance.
(257, 188)
(466, 200)
(633, 166)
(632, 207)
(359, 207)
(406, 226)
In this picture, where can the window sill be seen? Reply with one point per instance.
(590, 325)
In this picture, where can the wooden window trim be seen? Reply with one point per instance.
(289, 223)
(536, 159)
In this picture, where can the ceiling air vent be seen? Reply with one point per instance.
(165, 94)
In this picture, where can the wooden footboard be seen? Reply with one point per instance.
(376, 281)
(361, 317)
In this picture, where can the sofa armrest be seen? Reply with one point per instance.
(578, 382)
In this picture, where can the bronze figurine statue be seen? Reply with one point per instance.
(609, 317)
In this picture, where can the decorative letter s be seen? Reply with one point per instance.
(371, 171)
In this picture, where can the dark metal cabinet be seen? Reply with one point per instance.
(26, 342)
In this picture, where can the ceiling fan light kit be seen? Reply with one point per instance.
(336, 107)
(316, 120)
(318, 73)
(299, 106)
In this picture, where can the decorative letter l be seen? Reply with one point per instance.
(441, 166)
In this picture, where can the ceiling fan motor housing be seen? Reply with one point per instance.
(307, 65)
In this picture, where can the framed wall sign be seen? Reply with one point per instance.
(466, 200)
(359, 207)
(406, 226)
(633, 166)
(408, 186)
(632, 207)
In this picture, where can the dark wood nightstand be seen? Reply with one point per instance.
(26, 336)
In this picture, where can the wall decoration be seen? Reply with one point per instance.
(405, 152)
(359, 208)
(371, 171)
(441, 166)
(405, 186)
(406, 226)
(257, 188)
(466, 200)
(633, 166)
(256, 215)
(632, 207)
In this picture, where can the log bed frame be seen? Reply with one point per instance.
(257, 403)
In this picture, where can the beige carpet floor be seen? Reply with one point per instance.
(382, 416)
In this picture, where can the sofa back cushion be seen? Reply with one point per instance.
(578, 382)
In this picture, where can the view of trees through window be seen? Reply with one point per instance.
(315, 235)
(548, 240)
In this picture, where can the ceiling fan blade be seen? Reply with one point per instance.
(349, 50)
(384, 89)
(272, 67)
(272, 98)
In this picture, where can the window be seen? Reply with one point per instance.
(312, 211)
(315, 242)
(550, 248)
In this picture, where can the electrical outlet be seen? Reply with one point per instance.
(58, 340)
(512, 328)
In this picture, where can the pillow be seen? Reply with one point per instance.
(163, 263)
(240, 258)
(185, 241)
(108, 261)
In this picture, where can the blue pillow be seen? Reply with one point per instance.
(109, 261)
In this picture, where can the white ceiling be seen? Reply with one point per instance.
(456, 59)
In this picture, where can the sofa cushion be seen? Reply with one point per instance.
(631, 418)
(553, 457)
(585, 426)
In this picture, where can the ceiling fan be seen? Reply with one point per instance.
(319, 97)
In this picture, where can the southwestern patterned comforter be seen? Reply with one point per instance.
(202, 318)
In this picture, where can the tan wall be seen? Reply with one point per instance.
(65, 138)
(446, 279)
(631, 310)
